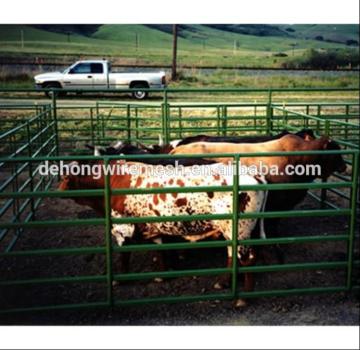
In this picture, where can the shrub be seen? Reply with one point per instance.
(280, 54)
(324, 59)
(352, 42)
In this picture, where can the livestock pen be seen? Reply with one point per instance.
(50, 248)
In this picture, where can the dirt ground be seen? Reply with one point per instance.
(325, 309)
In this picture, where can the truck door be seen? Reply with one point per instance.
(79, 77)
(99, 77)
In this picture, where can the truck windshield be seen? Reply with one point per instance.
(85, 68)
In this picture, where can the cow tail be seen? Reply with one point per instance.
(262, 226)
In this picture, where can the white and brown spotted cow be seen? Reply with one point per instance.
(169, 204)
(173, 204)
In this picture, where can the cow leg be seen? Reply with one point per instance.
(248, 277)
(271, 252)
(124, 267)
(225, 280)
(159, 258)
(122, 260)
(248, 282)
(125, 262)
(279, 254)
(121, 232)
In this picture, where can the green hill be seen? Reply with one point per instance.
(198, 45)
(250, 37)
(337, 33)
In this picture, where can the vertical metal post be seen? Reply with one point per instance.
(15, 184)
(97, 122)
(45, 121)
(347, 110)
(108, 241)
(235, 225)
(318, 114)
(42, 124)
(269, 113)
(136, 124)
(168, 128)
(128, 123)
(162, 120)
(285, 118)
(224, 120)
(165, 122)
(97, 109)
(354, 180)
(180, 122)
(103, 126)
(327, 127)
(218, 120)
(306, 120)
(255, 115)
(56, 127)
(92, 126)
(31, 175)
(324, 190)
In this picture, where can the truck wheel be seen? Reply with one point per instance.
(140, 95)
(53, 86)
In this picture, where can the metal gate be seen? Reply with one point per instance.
(51, 134)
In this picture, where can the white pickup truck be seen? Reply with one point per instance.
(96, 74)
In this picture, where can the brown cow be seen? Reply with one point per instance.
(280, 199)
(286, 143)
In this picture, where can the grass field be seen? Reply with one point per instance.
(198, 45)
(220, 78)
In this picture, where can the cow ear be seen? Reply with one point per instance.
(308, 137)
(97, 151)
(142, 146)
(161, 140)
(64, 183)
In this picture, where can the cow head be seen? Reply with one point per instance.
(70, 182)
(331, 162)
(156, 149)
(119, 148)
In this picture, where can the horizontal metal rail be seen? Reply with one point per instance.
(180, 90)
(178, 156)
